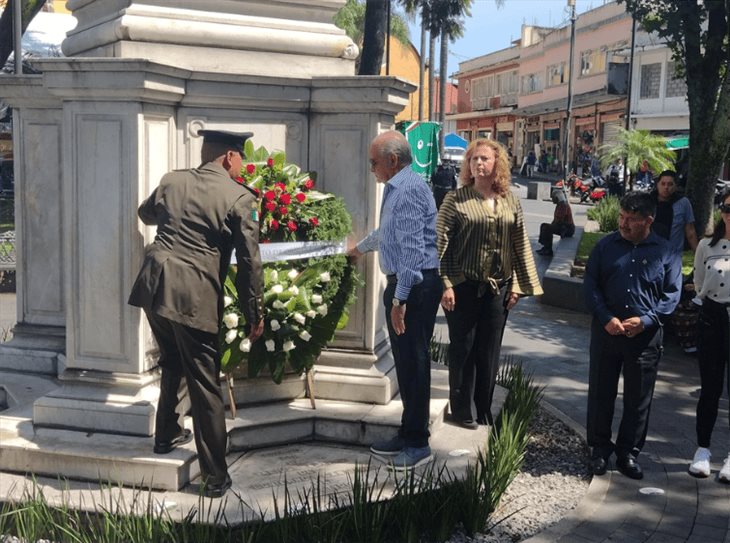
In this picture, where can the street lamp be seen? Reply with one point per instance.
(566, 153)
(17, 36)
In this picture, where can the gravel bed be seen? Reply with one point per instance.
(553, 479)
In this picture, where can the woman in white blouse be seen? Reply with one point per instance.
(712, 282)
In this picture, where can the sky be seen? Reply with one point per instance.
(490, 29)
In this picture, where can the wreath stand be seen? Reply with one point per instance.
(308, 383)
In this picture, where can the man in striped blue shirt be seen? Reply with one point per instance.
(406, 241)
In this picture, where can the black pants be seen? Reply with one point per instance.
(638, 359)
(190, 362)
(548, 230)
(411, 355)
(714, 356)
(476, 327)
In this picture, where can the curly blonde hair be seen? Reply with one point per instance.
(503, 176)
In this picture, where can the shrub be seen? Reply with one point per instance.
(606, 214)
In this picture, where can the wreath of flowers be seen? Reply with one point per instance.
(305, 300)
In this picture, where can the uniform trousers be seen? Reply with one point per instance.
(190, 364)
(411, 354)
(713, 348)
(476, 327)
(638, 358)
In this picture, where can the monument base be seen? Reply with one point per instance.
(34, 349)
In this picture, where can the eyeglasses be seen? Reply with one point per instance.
(725, 208)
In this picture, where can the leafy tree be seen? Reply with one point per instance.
(699, 35)
(366, 22)
(636, 146)
(30, 8)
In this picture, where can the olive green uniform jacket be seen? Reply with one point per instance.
(201, 215)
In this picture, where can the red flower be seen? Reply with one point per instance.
(300, 196)
(250, 168)
(308, 184)
(314, 221)
(265, 241)
(274, 224)
(270, 162)
(283, 210)
(270, 206)
(270, 195)
(285, 199)
(281, 186)
(240, 180)
(292, 226)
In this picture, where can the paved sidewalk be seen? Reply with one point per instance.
(668, 505)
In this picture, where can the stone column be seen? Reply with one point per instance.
(39, 336)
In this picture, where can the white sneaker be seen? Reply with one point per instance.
(724, 475)
(700, 466)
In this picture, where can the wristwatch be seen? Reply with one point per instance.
(398, 303)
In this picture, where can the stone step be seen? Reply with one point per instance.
(128, 460)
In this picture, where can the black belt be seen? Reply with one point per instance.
(393, 278)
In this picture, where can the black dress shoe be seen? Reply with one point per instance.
(598, 465)
(469, 424)
(164, 447)
(217, 490)
(629, 467)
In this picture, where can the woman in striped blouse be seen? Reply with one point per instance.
(486, 265)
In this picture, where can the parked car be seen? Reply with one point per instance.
(454, 155)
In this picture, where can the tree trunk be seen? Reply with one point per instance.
(443, 85)
(431, 75)
(376, 21)
(30, 9)
(422, 70)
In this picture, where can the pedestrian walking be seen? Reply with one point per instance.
(631, 282)
(531, 161)
(201, 215)
(406, 241)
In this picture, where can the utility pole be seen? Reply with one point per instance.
(18, 35)
(569, 108)
(422, 71)
(628, 91)
(387, 41)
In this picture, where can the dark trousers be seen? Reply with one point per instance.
(190, 363)
(476, 327)
(548, 230)
(411, 355)
(638, 359)
(713, 347)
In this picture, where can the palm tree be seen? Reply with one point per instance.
(635, 146)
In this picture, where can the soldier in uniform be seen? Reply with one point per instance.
(201, 215)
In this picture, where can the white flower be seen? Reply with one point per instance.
(270, 345)
(245, 345)
(274, 275)
(294, 290)
(278, 304)
(230, 320)
(325, 277)
(292, 274)
(322, 310)
(316, 298)
(275, 325)
(288, 346)
(227, 300)
(231, 335)
(301, 319)
(311, 313)
(306, 336)
(277, 289)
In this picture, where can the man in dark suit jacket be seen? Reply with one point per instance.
(201, 215)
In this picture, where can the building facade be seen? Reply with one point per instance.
(519, 95)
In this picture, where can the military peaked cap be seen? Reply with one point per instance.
(228, 138)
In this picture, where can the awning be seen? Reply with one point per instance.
(676, 143)
(453, 140)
